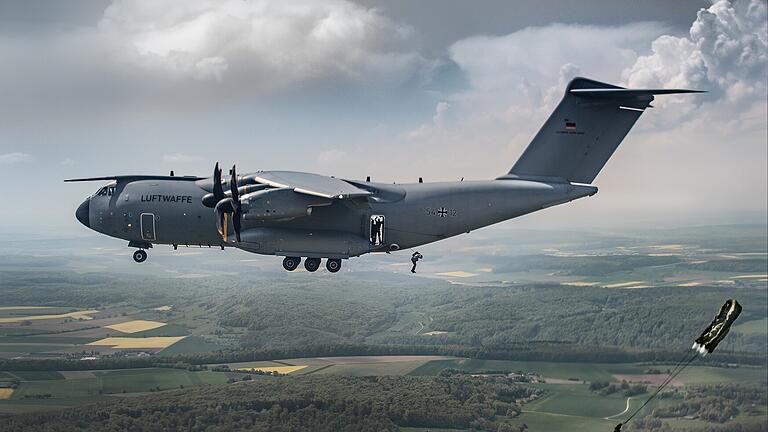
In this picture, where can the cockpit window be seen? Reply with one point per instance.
(106, 191)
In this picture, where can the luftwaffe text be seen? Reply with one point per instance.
(167, 198)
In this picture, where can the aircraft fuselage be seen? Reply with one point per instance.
(170, 211)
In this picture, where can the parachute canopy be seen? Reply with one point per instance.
(715, 332)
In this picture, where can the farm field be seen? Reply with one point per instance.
(595, 371)
(135, 326)
(283, 370)
(566, 405)
(353, 366)
(757, 327)
(77, 315)
(152, 342)
(53, 390)
(60, 332)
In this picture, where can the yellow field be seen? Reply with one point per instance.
(2, 308)
(461, 274)
(135, 326)
(668, 247)
(133, 343)
(5, 393)
(78, 315)
(435, 333)
(579, 284)
(624, 284)
(279, 369)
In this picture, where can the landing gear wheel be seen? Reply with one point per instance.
(312, 264)
(140, 256)
(291, 263)
(333, 265)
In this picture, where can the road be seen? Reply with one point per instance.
(621, 413)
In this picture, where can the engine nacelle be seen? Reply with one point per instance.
(280, 203)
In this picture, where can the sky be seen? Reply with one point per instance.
(393, 90)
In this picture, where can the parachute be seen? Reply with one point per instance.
(707, 342)
(704, 344)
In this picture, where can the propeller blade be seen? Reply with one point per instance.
(233, 185)
(236, 224)
(237, 208)
(218, 191)
(210, 200)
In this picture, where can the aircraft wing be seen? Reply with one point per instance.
(310, 184)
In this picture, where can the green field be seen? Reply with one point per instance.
(757, 327)
(30, 348)
(103, 383)
(190, 344)
(579, 371)
(595, 371)
(38, 375)
(166, 330)
(44, 340)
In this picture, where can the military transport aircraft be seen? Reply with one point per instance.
(301, 215)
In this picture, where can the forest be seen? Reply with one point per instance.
(318, 403)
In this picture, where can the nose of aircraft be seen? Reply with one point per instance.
(82, 213)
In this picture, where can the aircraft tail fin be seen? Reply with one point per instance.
(584, 130)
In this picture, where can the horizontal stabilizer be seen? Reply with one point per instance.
(622, 92)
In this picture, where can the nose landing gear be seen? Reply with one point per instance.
(140, 256)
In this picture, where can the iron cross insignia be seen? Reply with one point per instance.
(442, 212)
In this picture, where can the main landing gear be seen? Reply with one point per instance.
(333, 265)
(312, 264)
(291, 263)
(140, 256)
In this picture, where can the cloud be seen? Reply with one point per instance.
(13, 158)
(726, 52)
(439, 119)
(275, 43)
(149, 56)
(67, 162)
(181, 158)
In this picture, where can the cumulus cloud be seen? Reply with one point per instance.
(725, 52)
(13, 158)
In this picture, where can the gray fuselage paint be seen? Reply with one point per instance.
(415, 214)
